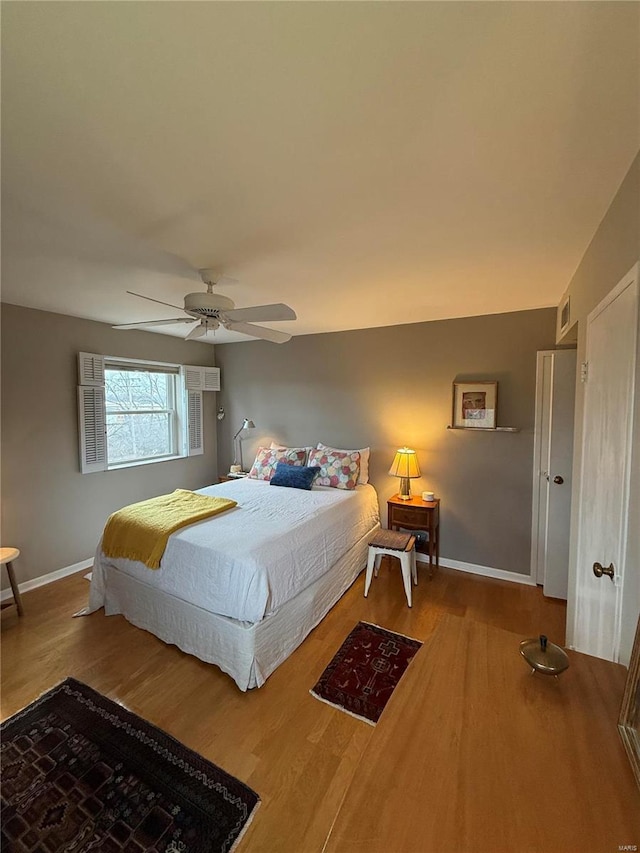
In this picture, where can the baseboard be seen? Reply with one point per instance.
(471, 568)
(486, 571)
(25, 586)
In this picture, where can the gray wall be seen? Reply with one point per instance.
(390, 386)
(51, 511)
(615, 248)
(612, 252)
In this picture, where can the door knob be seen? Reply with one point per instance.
(558, 479)
(599, 570)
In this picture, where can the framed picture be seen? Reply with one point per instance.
(475, 405)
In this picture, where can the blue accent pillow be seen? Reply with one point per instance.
(294, 476)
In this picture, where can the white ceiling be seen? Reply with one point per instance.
(366, 163)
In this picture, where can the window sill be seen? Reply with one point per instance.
(138, 462)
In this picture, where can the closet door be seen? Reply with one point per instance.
(608, 436)
(553, 451)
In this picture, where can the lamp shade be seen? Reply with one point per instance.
(405, 464)
(246, 424)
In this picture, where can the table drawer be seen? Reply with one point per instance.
(402, 515)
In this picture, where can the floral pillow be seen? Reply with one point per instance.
(364, 459)
(275, 446)
(339, 470)
(264, 465)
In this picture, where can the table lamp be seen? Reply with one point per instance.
(246, 424)
(405, 465)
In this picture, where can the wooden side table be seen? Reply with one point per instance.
(228, 478)
(416, 514)
(7, 556)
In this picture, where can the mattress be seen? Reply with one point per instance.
(249, 561)
(248, 652)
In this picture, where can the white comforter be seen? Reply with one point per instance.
(248, 561)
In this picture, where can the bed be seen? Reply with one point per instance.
(243, 589)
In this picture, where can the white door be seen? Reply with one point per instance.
(553, 451)
(606, 467)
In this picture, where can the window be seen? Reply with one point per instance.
(134, 412)
(142, 415)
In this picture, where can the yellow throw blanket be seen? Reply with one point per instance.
(141, 531)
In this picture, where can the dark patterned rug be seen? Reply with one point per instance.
(80, 773)
(365, 671)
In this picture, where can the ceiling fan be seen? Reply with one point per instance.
(211, 310)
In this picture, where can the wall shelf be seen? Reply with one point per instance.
(483, 429)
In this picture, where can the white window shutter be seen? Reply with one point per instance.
(201, 378)
(90, 369)
(211, 381)
(194, 416)
(93, 439)
(193, 380)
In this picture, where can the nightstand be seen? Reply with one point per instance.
(227, 478)
(416, 514)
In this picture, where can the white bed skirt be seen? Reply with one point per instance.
(248, 652)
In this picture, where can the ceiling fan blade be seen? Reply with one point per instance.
(151, 299)
(143, 323)
(197, 332)
(277, 311)
(259, 332)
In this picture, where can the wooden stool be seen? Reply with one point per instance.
(393, 544)
(7, 556)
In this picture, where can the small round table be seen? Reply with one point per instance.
(7, 556)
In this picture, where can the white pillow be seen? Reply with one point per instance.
(364, 460)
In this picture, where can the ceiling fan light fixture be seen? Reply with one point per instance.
(197, 332)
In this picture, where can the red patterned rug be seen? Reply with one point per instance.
(80, 773)
(365, 671)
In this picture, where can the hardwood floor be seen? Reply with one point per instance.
(312, 765)
(496, 761)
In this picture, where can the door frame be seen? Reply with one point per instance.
(630, 279)
(537, 570)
